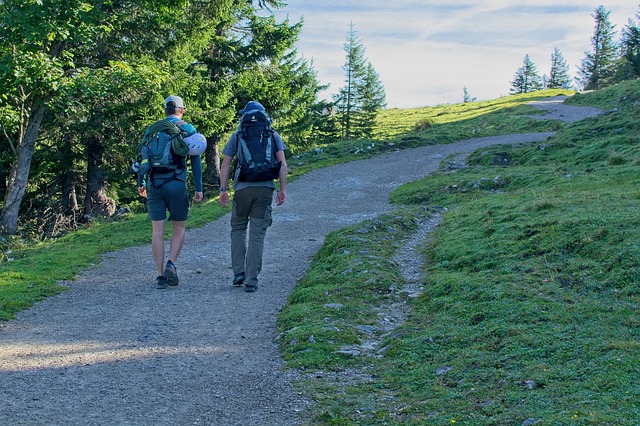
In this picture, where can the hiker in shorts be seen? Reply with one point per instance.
(169, 192)
(253, 195)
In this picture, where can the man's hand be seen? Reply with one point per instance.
(198, 197)
(142, 191)
(280, 197)
(224, 198)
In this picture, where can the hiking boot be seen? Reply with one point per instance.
(171, 272)
(250, 288)
(238, 279)
(161, 281)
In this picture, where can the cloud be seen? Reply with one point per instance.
(427, 51)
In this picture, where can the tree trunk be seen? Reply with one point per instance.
(212, 160)
(97, 203)
(69, 199)
(4, 176)
(19, 175)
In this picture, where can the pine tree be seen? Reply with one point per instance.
(559, 76)
(526, 78)
(252, 57)
(354, 69)
(325, 128)
(371, 98)
(630, 50)
(359, 101)
(598, 66)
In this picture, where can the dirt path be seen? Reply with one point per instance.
(113, 350)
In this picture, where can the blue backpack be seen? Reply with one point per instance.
(256, 149)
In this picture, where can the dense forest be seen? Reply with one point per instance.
(80, 84)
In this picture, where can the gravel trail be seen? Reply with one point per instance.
(113, 350)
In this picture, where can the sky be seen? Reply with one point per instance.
(427, 51)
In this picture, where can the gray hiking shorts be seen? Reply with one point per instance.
(173, 196)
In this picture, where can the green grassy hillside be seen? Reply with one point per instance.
(529, 313)
(486, 118)
(410, 128)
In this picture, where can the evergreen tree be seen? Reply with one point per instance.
(252, 57)
(370, 99)
(598, 66)
(526, 78)
(559, 76)
(363, 95)
(325, 123)
(288, 89)
(630, 50)
(354, 69)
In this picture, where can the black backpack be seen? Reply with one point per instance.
(256, 149)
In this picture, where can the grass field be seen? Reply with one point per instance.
(529, 313)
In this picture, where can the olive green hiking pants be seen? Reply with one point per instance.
(251, 209)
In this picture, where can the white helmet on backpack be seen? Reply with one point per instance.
(197, 143)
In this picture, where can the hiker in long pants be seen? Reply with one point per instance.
(166, 185)
(260, 153)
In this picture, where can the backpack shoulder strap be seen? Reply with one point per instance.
(271, 144)
(241, 144)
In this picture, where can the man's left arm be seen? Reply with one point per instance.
(196, 170)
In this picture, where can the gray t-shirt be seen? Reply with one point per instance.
(230, 150)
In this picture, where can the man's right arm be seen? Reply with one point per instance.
(281, 195)
(224, 180)
(143, 172)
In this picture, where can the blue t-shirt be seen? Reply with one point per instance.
(196, 161)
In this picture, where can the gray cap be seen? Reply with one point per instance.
(176, 100)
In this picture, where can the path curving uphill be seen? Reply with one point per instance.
(113, 350)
